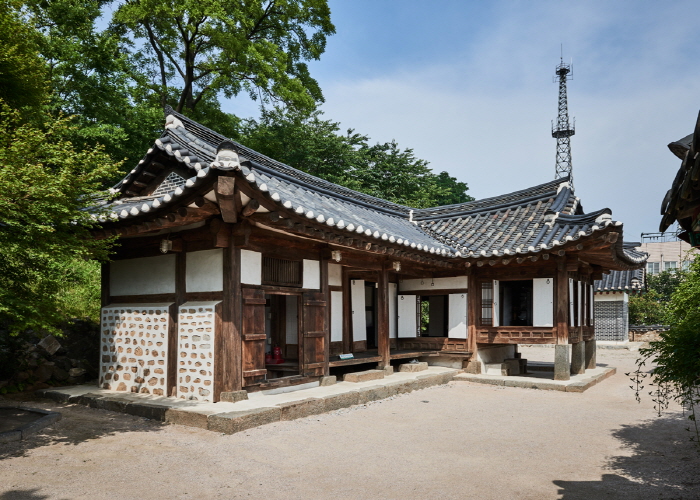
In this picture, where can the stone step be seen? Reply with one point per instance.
(364, 376)
(413, 367)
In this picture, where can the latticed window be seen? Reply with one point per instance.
(487, 303)
(281, 272)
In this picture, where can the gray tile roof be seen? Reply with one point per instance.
(529, 221)
(620, 281)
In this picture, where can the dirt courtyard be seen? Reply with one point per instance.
(456, 441)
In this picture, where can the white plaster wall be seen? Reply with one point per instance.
(457, 316)
(205, 271)
(393, 313)
(571, 302)
(580, 302)
(142, 276)
(610, 297)
(407, 316)
(357, 301)
(196, 336)
(312, 274)
(335, 275)
(440, 284)
(292, 319)
(336, 316)
(543, 302)
(251, 267)
(134, 348)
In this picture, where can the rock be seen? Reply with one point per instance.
(77, 372)
(413, 367)
(22, 376)
(59, 373)
(363, 376)
(50, 344)
(3, 383)
(43, 373)
(233, 397)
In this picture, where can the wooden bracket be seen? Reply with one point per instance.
(225, 196)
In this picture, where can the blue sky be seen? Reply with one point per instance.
(468, 85)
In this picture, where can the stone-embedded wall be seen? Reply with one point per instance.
(611, 320)
(134, 348)
(195, 360)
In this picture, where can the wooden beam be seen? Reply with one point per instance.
(228, 362)
(561, 301)
(327, 313)
(251, 207)
(383, 345)
(225, 193)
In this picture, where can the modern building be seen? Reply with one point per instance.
(666, 252)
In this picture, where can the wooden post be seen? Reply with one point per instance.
(383, 318)
(180, 290)
(347, 312)
(473, 319)
(228, 377)
(561, 349)
(327, 316)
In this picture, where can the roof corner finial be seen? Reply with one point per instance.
(226, 156)
(410, 217)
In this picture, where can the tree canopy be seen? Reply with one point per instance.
(194, 50)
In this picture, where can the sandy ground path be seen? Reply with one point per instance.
(457, 441)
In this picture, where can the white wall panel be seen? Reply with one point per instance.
(336, 316)
(393, 313)
(571, 302)
(407, 316)
(335, 274)
(251, 267)
(457, 316)
(543, 302)
(312, 274)
(357, 296)
(581, 302)
(142, 276)
(205, 271)
(453, 283)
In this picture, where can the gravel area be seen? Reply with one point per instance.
(455, 441)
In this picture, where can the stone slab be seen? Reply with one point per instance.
(479, 379)
(329, 380)
(413, 367)
(9, 436)
(300, 409)
(342, 400)
(234, 396)
(146, 410)
(496, 369)
(188, 418)
(388, 370)
(237, 421)
(372, 393)
(364, 376)
(534, 384)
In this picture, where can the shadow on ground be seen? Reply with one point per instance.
(77, 425)
(662, 463)
(22, 495)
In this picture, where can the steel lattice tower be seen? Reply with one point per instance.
(564, 129)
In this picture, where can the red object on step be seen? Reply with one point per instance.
(268, 358)
(277, 356)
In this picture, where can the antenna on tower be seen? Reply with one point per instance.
(563, 129)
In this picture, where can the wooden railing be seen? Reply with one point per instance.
(516, 335)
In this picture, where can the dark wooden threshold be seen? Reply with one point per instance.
(280, 382)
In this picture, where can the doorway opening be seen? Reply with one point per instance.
(371, 314)
(434, 310)
(282, 335)
(516, 303)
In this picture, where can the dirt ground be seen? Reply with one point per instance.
(456, 441)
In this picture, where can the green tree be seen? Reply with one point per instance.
(647, 308)
(676, 373)
(196, 50)
(46, 186)
(22, 71)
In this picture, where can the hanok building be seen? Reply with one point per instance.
(611, 302)
(237, 272)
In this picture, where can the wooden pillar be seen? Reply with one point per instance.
(473, 319)
(347, 312)
(561, 349)
(228, 363)
(327, 315)
(383, 345)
